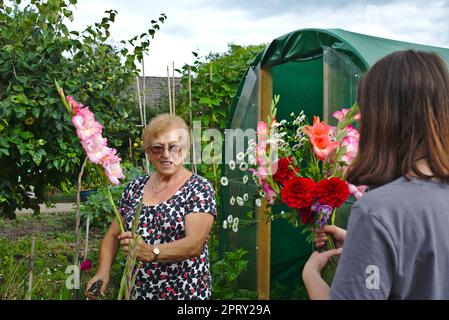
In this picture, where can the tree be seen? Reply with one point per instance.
(38, 146)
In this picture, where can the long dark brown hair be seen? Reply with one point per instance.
(404, 102)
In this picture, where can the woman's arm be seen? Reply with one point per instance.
(197, 228)
(316, 287)
(108, 252)
(109, 248)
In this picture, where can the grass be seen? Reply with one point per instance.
(55, 243)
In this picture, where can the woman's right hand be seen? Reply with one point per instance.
(337, 233)
(99, 276)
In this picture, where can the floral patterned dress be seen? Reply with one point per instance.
(163, 223)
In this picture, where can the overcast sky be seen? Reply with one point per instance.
(205, 26)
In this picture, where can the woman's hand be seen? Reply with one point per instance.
(142, 249)
(104, 278)
(317, 261)
(337, 233)
(316, 287)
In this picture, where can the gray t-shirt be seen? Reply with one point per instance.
(397, 245)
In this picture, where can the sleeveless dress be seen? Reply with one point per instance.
(164, 223)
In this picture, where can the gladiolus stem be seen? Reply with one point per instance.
(117, 215)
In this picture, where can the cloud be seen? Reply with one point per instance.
(205, 26)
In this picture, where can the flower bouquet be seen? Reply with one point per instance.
(304, 166)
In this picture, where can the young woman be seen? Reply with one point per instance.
(397, 242)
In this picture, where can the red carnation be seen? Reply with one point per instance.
(333, 192)
(284, 172)
(298, 192)
(306, 215)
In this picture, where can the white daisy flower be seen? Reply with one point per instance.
(230, 219)
(252, 159)
(245, 179)
(258, 202)
(224, 181)
(240, 156)
(225, 224)
(243, 166)
(232, 201)
(235, 225)
(245, 197)
(231, 164)
(240, 201)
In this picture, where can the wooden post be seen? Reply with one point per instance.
(169, 91)
(30, 270)
(193, 158)
(144, 107)
(144, 119)
(140, 102)
(86, 245)
(174, 89)
(78, 215)
(263, 222)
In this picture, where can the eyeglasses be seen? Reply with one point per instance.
(158, 149)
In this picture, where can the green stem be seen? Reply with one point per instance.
(117, 215)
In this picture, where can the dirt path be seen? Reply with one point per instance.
(59, 207)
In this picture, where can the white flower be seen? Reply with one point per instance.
(224, 181)
(252, 159)
(232, 201)
(284, 145)
(297, 147)
(258, 202)
(240, 156)
(282, 212)
(245, 179)
(225, 224)
(230, 219)
(243, 166)
(235, 225)
(231, 164)
(262, 193)
(240, 201)
(245, 197)
(252, 143)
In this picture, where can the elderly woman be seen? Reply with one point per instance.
(178, 210)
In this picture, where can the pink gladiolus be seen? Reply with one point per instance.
(85, 124)
(89, 131)
(112, 168)
(270, 194)
(341, 114)
(351, 142)
(95, 147)
(357, 191)
(74, 105)
(320, 139)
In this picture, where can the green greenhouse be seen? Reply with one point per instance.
(315, 70)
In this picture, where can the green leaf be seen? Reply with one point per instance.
(26, 134)
(22, 79)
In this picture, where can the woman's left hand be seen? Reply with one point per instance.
(317, 261)
(142, 249)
